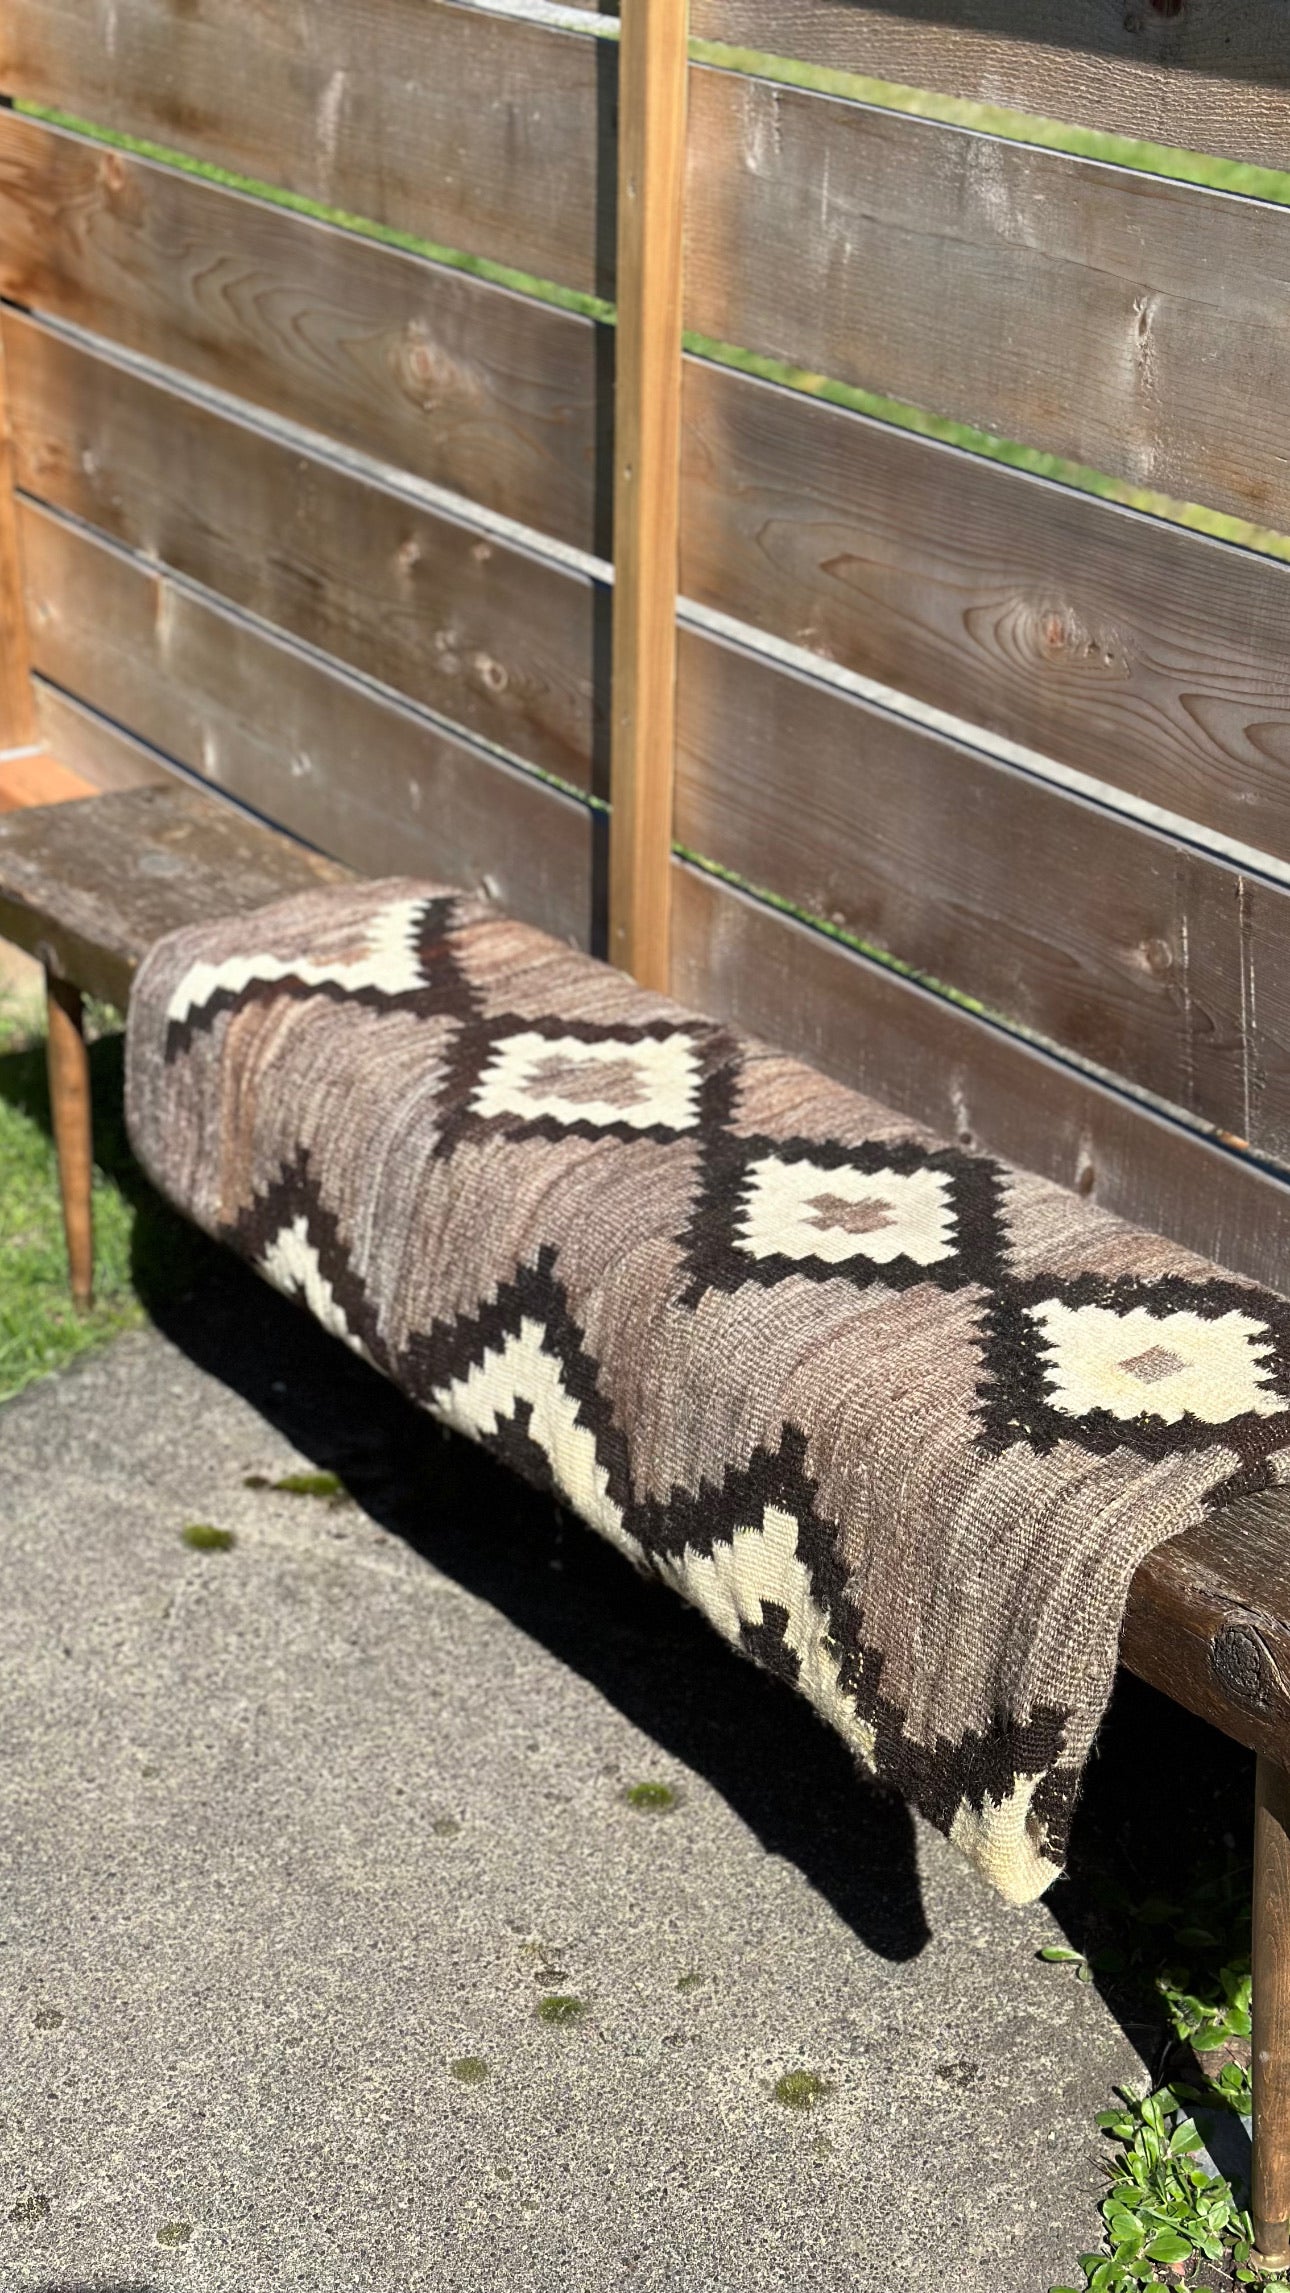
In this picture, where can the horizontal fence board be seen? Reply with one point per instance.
(321, 756)
(1123, 947)
(1149, 966)
(1138, 326)
(481, 132)
(1120, 646)
(1128, 649)
(88, 745)
(766, 972)
(1212, 76)
(488, 635)
(1116, 644)
(460, 382)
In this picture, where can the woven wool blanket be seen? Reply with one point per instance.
(901, 1420)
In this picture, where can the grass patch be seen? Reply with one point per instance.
(470, 2069)
(303, 1485)
(203, 1537)
(652, 1798)
(800, 2089)
(140, 1248)
(559, 2010)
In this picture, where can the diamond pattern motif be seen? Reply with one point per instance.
(801, 1210)
(617, 1082)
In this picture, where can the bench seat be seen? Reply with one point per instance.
(90, 886)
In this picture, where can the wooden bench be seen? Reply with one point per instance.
(320, 516)
(87, 887)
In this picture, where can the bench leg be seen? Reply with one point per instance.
(69, 1097)
(1271, 2041)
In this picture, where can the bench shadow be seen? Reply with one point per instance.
(1166, 1798)
(660, 1664)
(657, 1662)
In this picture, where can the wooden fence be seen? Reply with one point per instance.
(980, 793)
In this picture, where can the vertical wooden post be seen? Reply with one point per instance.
(651, 185)
(1271, 2018)
(17, 702)
(69, 1098)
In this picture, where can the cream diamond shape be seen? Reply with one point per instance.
(610, 1083)
(1163, 1365)
(800, 1210)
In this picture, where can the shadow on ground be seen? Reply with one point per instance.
(655, 1661)
(1166, 1799)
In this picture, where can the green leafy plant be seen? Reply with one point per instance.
(1166, 2212)
(1163, 2209)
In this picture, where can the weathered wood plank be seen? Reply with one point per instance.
(497, 397)
(1208, 1622)
(479, 132)
(488, 635)
(1120, 945)
(98, 753)
(1213, 76)
(1116, 644)
(1051, 619)
(1135, 652)
(91, 886)
(17, 707)
(1135, 325)
(651, 229)
(362, 779)
(763, 970)
(1149, 968)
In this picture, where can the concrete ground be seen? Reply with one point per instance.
(292, 1832)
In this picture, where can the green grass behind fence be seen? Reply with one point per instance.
(1234, 177)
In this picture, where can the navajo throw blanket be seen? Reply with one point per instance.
(901, 1420)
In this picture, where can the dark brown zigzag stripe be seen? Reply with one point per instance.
(445, 993)
(296, 1197)
(981, 1767)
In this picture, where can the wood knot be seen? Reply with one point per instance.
(425, 373)
(1051, 632)
(1243, 1668)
